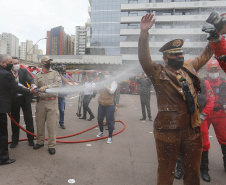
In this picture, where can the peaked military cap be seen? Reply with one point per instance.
(173, 46)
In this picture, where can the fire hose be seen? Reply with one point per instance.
(61, 137)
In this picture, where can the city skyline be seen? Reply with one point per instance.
(29, 20)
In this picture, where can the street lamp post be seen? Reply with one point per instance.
(32, 47)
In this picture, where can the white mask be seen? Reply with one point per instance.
(214, 76)
(16, 67)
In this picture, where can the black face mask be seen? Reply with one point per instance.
(176, 63)
(47, 66)
(9, 67)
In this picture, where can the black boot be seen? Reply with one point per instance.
(179, 172)
(204, 167)
(223, 148)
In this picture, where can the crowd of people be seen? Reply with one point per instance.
(187, 105)
(50, 107)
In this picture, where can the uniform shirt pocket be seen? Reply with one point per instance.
(50, 80)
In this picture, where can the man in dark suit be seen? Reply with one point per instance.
(23, 78)
(145, 94)
(8, 86)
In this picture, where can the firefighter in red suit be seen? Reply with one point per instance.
(218, 115)
(218, 42)
(220, 51)
(206, 104)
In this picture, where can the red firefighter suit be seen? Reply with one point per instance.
(206, 104)
(219, 50)
(217, 116)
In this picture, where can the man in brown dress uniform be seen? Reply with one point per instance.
(176, 126)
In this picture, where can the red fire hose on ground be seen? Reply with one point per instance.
(61, 137)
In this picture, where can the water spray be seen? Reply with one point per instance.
(123, 75)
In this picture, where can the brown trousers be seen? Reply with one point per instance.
(47, 112)
(169, 143)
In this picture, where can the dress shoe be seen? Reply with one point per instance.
(52, 151)
(92, 117)
(62, 126)
(37, 146)
(13, 145)
(143, 119)
(82, 118)
(7, 161)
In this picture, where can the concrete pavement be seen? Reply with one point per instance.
(129, 160)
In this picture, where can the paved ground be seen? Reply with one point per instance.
(129, 160)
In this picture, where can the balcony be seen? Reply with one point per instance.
(171, 31)
(171, 18)
(171, 5)
(160, 44)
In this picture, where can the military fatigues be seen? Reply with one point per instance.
(47, 107)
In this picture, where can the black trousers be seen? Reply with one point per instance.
(86, 101)
(4, 152)
(25, 104)
(145, 102)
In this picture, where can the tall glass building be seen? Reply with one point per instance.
(105, 27)
(115, 25)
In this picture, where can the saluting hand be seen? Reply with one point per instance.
(147, 22)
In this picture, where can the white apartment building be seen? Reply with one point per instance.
(9, 44)
(22, 50)
(3, 46)
(115, 25)
(37, 51)
(174, 19)
(80, 40)
(28, 51)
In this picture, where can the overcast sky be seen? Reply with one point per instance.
(31, 19)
